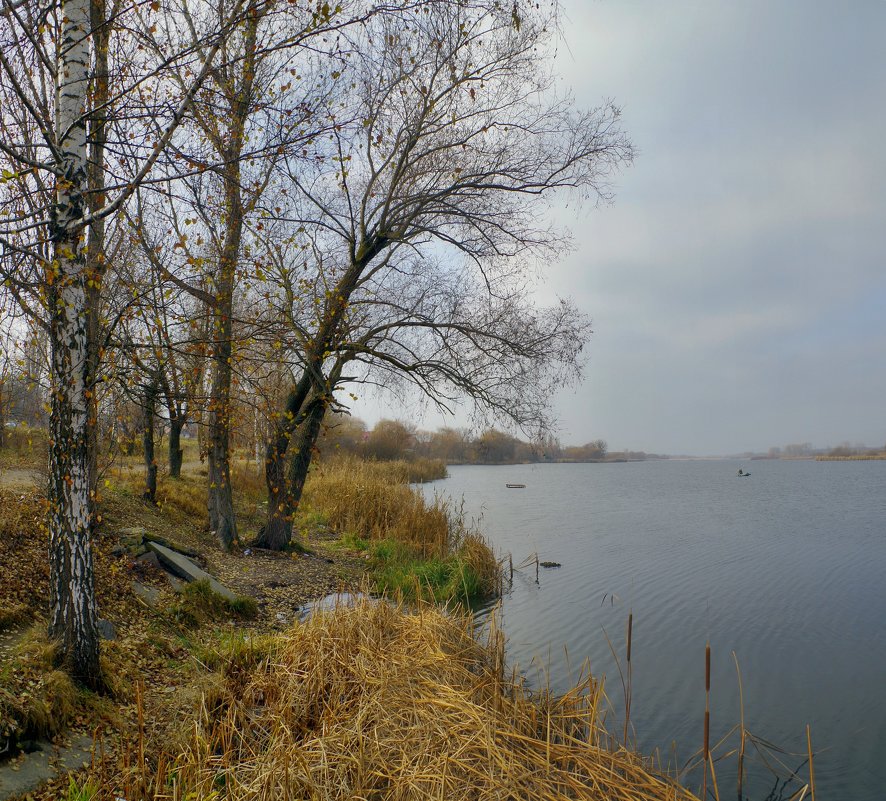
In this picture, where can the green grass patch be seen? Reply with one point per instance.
(396, 569)
(198, 603)
(352, 542)
(236, 650)
(80, 792)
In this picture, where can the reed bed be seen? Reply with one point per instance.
(374, 500)
(376, 702)
(421, 549)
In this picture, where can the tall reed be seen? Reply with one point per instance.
(706, 745)
(420, 548)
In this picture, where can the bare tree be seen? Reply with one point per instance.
(259, 107)
(48, 61)
(437, 165)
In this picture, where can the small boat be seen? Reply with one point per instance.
(515, 486)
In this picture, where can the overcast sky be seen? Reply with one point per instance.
(738, 283)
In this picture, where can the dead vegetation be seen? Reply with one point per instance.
(373, 701)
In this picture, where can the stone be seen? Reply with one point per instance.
(184, 567)
(148, 558)
(174, 546)
(25, 774)
(132, 540)
(175, 583)
(150, 595)
(106, 630)
(135, 535)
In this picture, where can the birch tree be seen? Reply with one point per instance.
(48, 57)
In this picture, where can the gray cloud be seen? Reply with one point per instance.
(737, 285)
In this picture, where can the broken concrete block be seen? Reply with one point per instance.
(184, 567)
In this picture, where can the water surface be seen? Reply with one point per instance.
(785, 568)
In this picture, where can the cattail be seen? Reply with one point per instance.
(706, 748)
(630, 631)
(743, 738)
(811, 767)
(629, 681)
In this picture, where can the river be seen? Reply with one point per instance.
(785, 568)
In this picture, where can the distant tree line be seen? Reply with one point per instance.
(805, 450)
(395, 439)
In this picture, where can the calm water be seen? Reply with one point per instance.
(786, 568)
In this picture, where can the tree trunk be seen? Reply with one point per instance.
(290, 483)
(2, 415)
(221, 501)
(72, 583)
(148, 410)
(95, 246)
(302, 451)
(176, 454)
(277, 532)
(287, 481)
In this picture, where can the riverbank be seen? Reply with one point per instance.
(196, 703)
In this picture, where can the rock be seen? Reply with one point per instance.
(184, 567)
(150, 595)
(106, 630)
(132, 541)
(133, 535)
(149, 558)
(175, 583)
(174, 546)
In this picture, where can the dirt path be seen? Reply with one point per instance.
(20, 477)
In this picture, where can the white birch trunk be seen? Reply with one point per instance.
(72, 585)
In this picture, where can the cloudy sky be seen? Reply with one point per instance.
(738, 283)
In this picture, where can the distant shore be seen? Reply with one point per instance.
(859, 457)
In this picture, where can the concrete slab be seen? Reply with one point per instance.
(184, 567)
(26, 773)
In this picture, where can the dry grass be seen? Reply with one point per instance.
(373, 702)
(25, 447)
(419, 549)
(36, 699)
(373, 500)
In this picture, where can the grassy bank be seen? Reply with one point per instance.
(211, 700)
(414, 547)
(377, 702)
